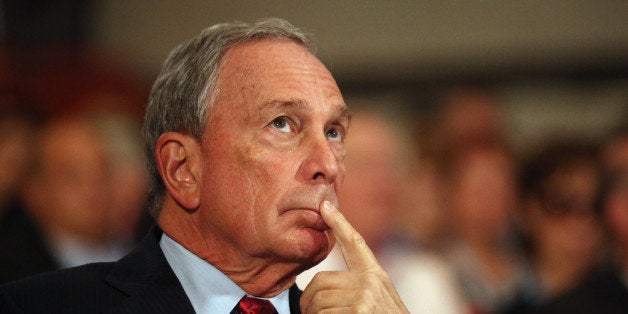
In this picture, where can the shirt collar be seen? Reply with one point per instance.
(209, 290)
(71, 251)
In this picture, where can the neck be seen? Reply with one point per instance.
(261, 280)
(258, 276)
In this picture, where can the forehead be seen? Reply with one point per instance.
(263, 71)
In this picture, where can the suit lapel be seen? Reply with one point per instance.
(146, 278)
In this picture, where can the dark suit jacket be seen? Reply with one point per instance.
(22, 247)
(141, 282)
(603, 293)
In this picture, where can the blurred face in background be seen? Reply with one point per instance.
(564, 223)
(369, 195)
(126, 172)
(69, 193)
(483, 193)
(16, 153)
(616, 216)
(616, 154)
(129, 184)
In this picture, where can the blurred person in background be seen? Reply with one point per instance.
(420, 220)
(605, 291)
(465, 114)
(561, 228)
(479, 197)
(17, 132)
(127, 217)
(67, 195)
(461, 114)
(377, 165)
(615, 153)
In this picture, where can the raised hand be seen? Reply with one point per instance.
(365, 288)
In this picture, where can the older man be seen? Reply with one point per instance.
(246, 128)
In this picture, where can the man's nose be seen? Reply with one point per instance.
(321, 162)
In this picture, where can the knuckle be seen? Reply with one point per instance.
(372, 280)
(363, 308)
(318, 297)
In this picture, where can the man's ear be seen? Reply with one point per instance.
(178, 159)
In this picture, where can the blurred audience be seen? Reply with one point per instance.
(69, 192)
(68, 198)
(64, 216)
(479, 197)
(465, 114)
(615, 154)
(605, 291)
(421, 221)
(562, 230)
(370, 198)
(461, 115)
(127, 217)
(17, 132)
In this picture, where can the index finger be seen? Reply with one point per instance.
(357, 254)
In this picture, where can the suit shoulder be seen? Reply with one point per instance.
(79, 289)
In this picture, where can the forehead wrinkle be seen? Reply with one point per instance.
(285, 104)
(300, 104)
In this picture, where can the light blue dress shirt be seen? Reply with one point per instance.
(209, 290)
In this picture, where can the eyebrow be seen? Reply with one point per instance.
(341, 109)
(345, 113)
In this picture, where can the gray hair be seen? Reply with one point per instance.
(186, 88)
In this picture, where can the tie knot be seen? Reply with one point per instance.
(256, 306)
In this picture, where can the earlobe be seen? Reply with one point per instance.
(178, 157)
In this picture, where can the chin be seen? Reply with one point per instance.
(311, 246)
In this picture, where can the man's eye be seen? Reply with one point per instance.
(334, 135)
(281, 124)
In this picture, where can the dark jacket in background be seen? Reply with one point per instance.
(603, 293)
(22, 248)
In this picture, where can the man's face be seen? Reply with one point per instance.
(272, 151)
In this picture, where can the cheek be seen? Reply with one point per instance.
(252, 180)
(263, 172)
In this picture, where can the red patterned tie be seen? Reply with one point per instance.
(255, 306)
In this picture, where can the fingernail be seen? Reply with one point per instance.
(328, 207)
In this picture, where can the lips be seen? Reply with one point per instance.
(304, 207)
(307, 217)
